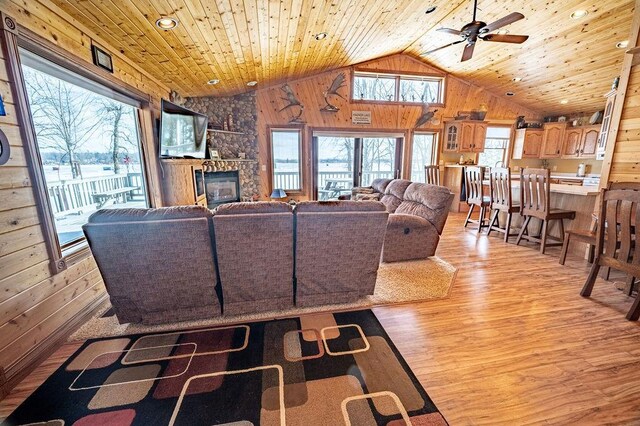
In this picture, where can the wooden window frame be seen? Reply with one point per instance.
(287, 128)
(14, 37)
(398, 76)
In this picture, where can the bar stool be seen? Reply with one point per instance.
(475, 195)
(501, 201)
(432, 175)
(535, 194)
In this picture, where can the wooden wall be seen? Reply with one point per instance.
(460, 96)
(37, 308)
(622, 158)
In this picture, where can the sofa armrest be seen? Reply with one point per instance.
(398, 220)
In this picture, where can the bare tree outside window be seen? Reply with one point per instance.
(60, 114)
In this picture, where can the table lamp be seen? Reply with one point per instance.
(278, 194)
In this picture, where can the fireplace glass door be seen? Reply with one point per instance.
(222, 187)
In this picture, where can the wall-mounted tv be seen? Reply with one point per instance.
(183, 133)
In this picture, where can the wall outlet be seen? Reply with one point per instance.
(264, 167)
(554, 168)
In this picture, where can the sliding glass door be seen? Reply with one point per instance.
(345, 161)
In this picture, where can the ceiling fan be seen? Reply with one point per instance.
(478, 30)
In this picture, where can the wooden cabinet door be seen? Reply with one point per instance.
(451, 137)
(479, 136)
(589, 142)
(572, 141)
(552, 140)
(532, 144)
(466, 137)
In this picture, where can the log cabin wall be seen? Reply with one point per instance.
(460, 96)
(37, 309)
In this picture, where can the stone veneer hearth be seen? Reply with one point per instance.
(244, 115)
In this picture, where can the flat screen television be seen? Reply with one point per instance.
(183, 133)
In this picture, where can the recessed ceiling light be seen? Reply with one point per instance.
(321, 36)
(252, 83)
(167, 23)
(564, 101)
(214, 81)
(502, 32)
(510, 94)
(579, 14)
(517, 79)
(622, 44)
(431, 9)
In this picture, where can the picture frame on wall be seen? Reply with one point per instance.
(214, 154)
(101, 58)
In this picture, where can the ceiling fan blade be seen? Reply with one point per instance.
(450, 31)
(441, 47)
(505, 38)
(502, 22)
(468, 51)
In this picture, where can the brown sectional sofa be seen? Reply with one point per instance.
(184, 263)
(417, 215)
(168, 273)
(338, 245)
(254, 244)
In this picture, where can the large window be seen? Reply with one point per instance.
(385, 87)
(496, 146)
(285, 159)
(423, 153)
(88, 144)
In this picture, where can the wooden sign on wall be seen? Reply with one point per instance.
(360, 117)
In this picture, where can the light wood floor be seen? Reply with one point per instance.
(514, 344)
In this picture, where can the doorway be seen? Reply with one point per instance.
(343, 161)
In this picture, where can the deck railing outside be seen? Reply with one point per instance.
(290, 180)
(71, 196)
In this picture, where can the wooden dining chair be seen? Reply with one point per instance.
(501, 201)
(588, 236)
(618, 215)
(475, 195)
(535, 196)
(432, 175)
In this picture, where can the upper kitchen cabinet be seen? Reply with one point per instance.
(527, 143)
(552, 140)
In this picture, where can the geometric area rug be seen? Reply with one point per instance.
(320, 369)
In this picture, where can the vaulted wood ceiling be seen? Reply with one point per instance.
(273, 41)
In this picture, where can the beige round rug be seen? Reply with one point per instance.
(397, 282)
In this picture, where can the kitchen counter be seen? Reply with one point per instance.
(560, 188)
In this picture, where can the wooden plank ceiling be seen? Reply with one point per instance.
(273, 41)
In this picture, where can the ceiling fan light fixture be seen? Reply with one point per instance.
(502, 32)
(213, 81)
(510, 94)
(431, 9)
(622, 44)
(564, 101)
(252, 83)
(579, 14)
(320, 36)
(167, 23)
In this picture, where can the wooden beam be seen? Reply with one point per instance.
(621, 96)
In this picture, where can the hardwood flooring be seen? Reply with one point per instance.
(513, 344)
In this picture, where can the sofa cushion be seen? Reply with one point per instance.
(394, 194)
(143, 215)
(260, 207)
(427, 201)
(409, 237)
(339, 206)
